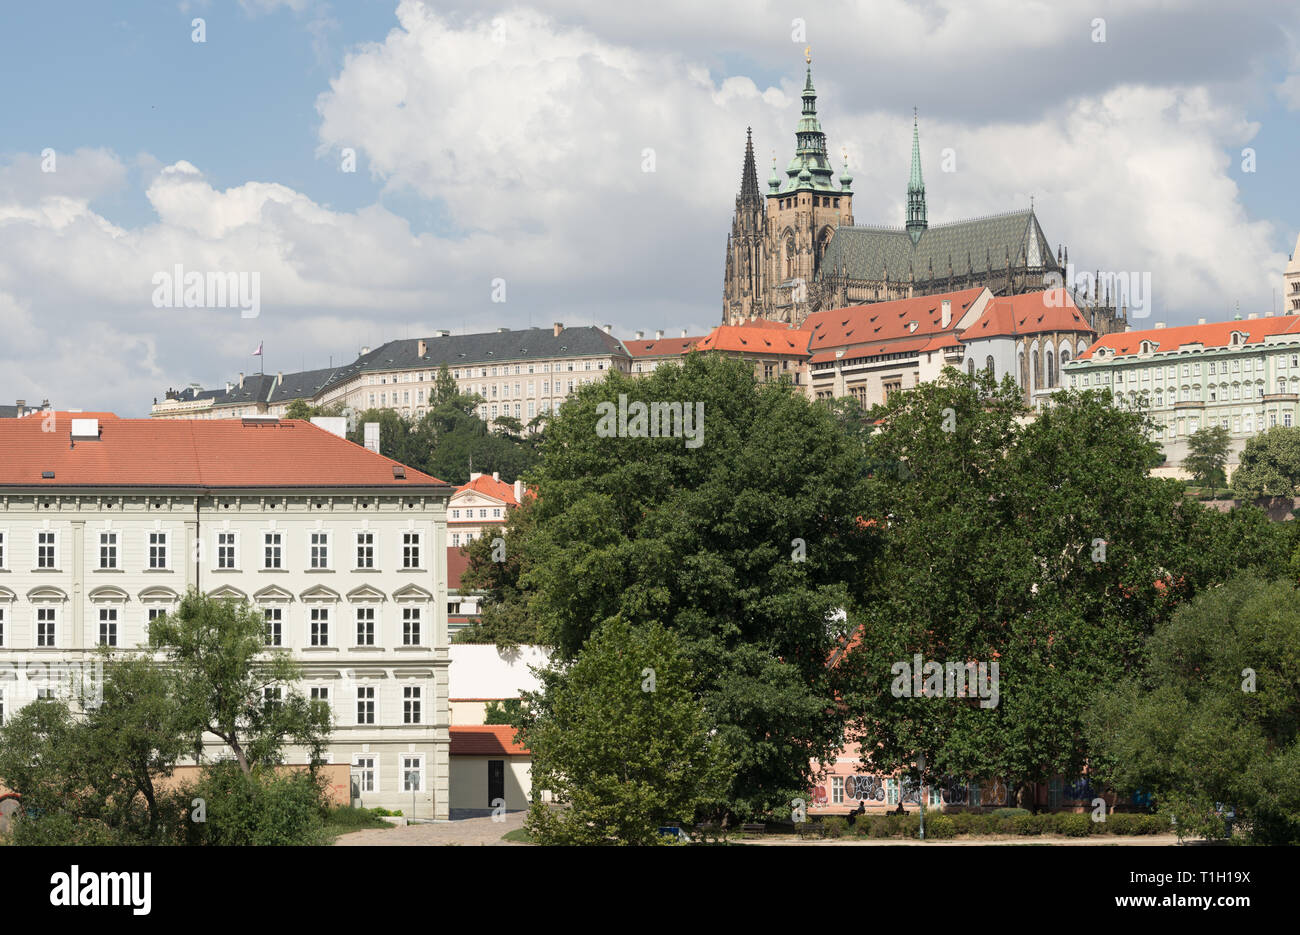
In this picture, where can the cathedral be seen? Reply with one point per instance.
(796, 249)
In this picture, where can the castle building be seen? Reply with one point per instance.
(797, 249)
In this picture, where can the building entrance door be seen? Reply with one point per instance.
(496, 782)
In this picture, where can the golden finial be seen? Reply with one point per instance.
(807, 54)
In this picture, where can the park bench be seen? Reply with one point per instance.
(810, 829)
(754, 827)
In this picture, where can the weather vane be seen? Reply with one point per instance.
(807, 54)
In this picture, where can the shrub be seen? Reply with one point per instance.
(1123, 823)
(1027, 824)
(835, 826)
(1074, 825)
(1153, 824)
(963, 823)
(911, 825)
(897, 825)
(1009, 812)
(939, 826)
(879, 827)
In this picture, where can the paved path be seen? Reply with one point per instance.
(466, 831)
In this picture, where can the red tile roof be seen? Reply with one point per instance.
(881, 321)
(489, 485)
(219, 453)
(664, 347)
(1214, 334)
(457, 563)
(486, 740)
(1029, 313)
(750, 340)
(902, 345)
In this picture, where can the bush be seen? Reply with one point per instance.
(1027, 824)
(259, 809)
(879, 827)
(963, 822)
(1153, 824)
(939, 826)
(1009, 812)
(1074, 825)
(835, 826)
(911, 825)
(1123, 823)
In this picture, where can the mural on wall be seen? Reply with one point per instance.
(866, 788)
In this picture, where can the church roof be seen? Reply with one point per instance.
(888, 321)
(1030, 313)
(992, 242)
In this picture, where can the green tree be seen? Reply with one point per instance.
(1269, 465)
(744, 546)
(1207, 454)
(302, 409)
(1213, 724)
(221, 672)
(507, 711)
(622, 741)
(494, 568)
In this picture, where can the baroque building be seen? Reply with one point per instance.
(796, 249)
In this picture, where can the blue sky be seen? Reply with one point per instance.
(505, 141)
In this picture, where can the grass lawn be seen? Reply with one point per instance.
(346, 818)
(519, 836)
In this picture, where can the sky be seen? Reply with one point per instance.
(383, 169)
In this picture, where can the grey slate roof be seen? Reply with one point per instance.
(458, 350)
(980, 244)
(8, 412)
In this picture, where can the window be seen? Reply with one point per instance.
(411, 704)
(1286, 420)
(226, 550)
(411, 549)
(365, 772)
(2, 550)
(320, 550)
(2, 627)
(365, 626)
(320, 626)
(108, 550)
(272, 550)
(274, 631)
(46, 543)
(366, 704)
(455, 539)
(410, 626)
(455, 514)
(412, 772)
(935, 795)
(272, 697)
(837, 785)
(108, 626)
(320, 693)
(45, 626)
(365, 550)
(891, 791)
(1211, 368)
(157, 550)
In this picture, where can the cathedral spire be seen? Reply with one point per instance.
(749, 175)
(810, 168)
(916, 220)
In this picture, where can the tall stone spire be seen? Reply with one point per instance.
(749, 175)
(916, 220)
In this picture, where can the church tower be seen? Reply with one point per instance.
(916, 221)
(744, 283)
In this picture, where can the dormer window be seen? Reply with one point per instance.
(1148, 347)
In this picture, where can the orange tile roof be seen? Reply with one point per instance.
(664, 347)
(750, 340)
(485, 740)
(490, 486)
(1214, 334)
(1029, 313)
(189, 453)
(899, 346)
(881, 321)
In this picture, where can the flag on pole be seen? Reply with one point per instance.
(258, 352)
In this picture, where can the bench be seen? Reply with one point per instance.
(810, 829)
(754, 827)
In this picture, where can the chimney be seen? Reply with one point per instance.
(1159, 325)
(1128, 328)
(1252, 316)
(947, 312)
(279, 377)
(474, 475)
(371, 436)
(683, 332)
(557, 328)
(659, 335)
(365, 351)
(608, 328)
(229, 387)
(443, 334)
(1269, 313)
(1200, 321)
(22, 407)
(519, 491)
(335, 425)
(496, 475)
(421, 348)
(241, 379)
(640, 335)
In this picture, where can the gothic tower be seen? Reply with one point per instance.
(916, 221)
(744, 289)
(803, 213)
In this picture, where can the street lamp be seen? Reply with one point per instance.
(920, 789)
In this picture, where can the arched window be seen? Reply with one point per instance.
(1051, 369)
(1022, 375)
(970, 366)
(1038, 373)
(988, 364)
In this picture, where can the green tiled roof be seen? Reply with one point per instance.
(867, 253)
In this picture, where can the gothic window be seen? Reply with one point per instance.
(970, 366)
(1038, 373)
(1051, 369)
(988, 364)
